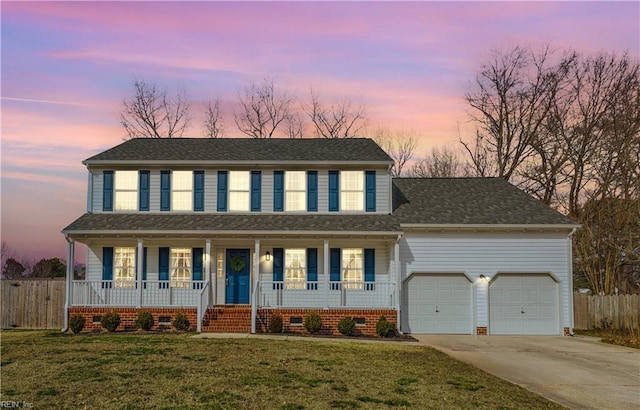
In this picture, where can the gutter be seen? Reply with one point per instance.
(67, 283)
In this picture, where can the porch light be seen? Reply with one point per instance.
(267, 256)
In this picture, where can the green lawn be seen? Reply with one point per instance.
(174, 371)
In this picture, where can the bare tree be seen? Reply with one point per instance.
(263, 109)
(342, 119)
(213, 126)
(510, 100)
(441, 162)
(294, 125)
(151, 113)
(399, 145)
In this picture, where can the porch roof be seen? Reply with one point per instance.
(198, 224)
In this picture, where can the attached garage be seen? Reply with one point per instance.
(437, 303)
(523, 304)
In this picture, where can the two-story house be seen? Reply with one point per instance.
(231, 231)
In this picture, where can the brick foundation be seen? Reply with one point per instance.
(567, 331)
(128, 317)
(481, 330)
(330, 319)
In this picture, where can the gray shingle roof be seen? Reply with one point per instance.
(244, 149)
(229, 222)
(469, 201)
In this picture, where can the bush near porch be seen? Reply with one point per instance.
(136, 371)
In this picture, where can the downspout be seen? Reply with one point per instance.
(570, 273)
(67, 292)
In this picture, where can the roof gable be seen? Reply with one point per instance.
(224, 150)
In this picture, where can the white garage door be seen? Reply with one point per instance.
(437, 304)
(525, 304)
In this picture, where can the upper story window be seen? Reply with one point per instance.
(295, 190)
(239, 187)
(352, 190)
(126, 190)
(182, 191)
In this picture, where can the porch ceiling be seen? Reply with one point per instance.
(231, 225)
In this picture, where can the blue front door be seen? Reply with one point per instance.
(238, 277)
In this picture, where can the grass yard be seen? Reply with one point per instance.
(174, 371)
(627, 338)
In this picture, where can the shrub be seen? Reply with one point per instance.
(347, 326)
(110, 321)
(384, 328)
(76, 323)
(144, 320)
(181, 322)
(275, 323)
(312, 322)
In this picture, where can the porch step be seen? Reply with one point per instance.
(227, 319)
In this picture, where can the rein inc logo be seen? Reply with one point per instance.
(15, 405)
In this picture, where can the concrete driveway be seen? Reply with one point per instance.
(577, 372)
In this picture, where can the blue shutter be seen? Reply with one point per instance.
(222, 191)
(370, 191)
(256, 191)
(278, 264)
(198, 264)
(312, 191)
(334, 191)
(165, 190)
(143, 194)
(163, 266)
(278, 191)
(107, 266)
(369, 265)
(107, 190)
(312, 268)
(334, 264)
(144, 266)
(198, 190)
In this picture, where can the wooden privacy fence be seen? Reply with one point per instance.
(613, 311)
(32, 303)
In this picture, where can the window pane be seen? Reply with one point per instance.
(126, 180)
(238, 201)
(296, 201)
(295, 190)
(295, 180)
(180, 267)
(352, 201)
(126, 190)
(295, 272)
(239, 180)
(352, 267)
(126, 201)
(124, 267)
(182, 201)
(182, 180)
(352, 180)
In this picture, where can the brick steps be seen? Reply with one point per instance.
(227, 319)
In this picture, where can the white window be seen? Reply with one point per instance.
(239, 185)
(182, 191)
(295, 185)
(124, 267)
(352, 191)
(295, 269)
(180, 267)
(126, 190)
(352, 268)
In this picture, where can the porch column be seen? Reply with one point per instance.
(139, 264)
(207, 269)
(214, 277)
(69, 282)
(254, 287)
(325, 267)
(396, 260)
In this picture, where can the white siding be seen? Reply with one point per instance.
(154, 191)
(267, 191)
(210, 190)
(323, 191)
(94, 263)
(489, 254)
(382, 192)
(97, 190)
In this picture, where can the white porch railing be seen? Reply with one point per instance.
(317, 295)
(126, 293)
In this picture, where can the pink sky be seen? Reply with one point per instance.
(67, 66)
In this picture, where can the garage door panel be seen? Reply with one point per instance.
(521, 304)
(438, 304)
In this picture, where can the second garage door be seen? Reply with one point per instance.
(523, 304)
(436, 303)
